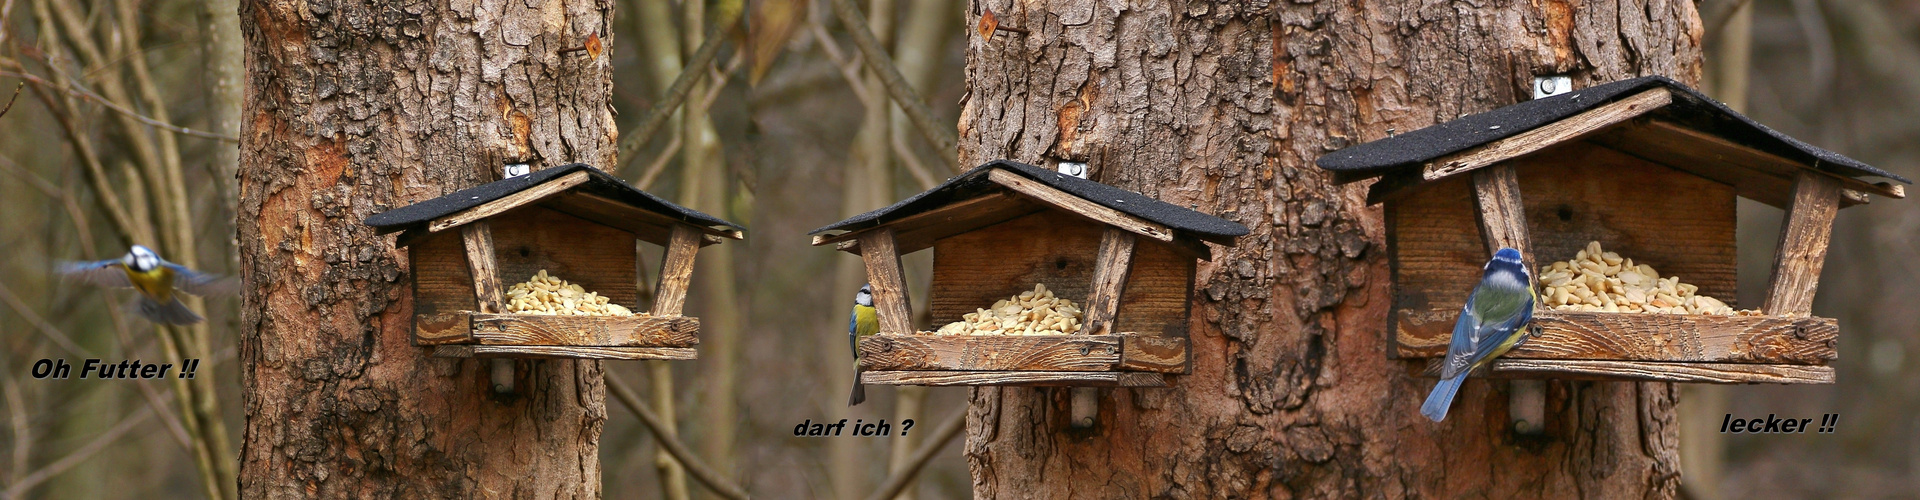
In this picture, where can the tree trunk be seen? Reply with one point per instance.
(352, 109)
(1225, 109)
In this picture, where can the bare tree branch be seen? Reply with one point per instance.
(897, 87)
(79, 455)
(77, 91)
(16, 97)
(676, 94)
(699, 470)
(941, 437)
(850, 71)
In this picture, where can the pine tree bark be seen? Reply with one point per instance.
(1224, 108)
(354, 108)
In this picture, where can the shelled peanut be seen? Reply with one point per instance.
(546, 294)
(1601, 281)
(1035, 312)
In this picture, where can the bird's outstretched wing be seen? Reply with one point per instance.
(100, 272)
(199, 283)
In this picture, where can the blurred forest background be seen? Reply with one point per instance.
(123, 131)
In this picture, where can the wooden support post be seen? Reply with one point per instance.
(1503, 224)
(478, 239)
(1110, 269)
(889, 283)
(1803, 245)
(676, 270)
(481, 264)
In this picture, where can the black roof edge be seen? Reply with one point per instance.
(1690, 107)
(598, 182)
(974, 180)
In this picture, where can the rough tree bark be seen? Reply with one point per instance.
(1225, 107)
(353, 108)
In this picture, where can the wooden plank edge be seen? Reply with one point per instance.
(1548, 135)
(565, 352)
(1014, 378)
(665, 323)
(508, 202)
(1656, 371)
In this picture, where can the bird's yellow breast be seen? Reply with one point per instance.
(156, 284)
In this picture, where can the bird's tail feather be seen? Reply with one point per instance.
(859, 391)
(1441, 398)
(171, 313)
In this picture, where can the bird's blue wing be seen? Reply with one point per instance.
(100, 272)
(199, 283)
(1499, 305)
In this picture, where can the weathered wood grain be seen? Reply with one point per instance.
(1153, 353)
(990, 352)
(585, 331)
(1710, 373)
(1110, 268)
(954, 378)
(1572, 194)
(443, 328)
(976, 269)
(888, 281)
(1548, 135)
(676, 271)
(1803, 245)
(1661, 337)
(599, 258)
(478, 242)
(1074, 204)
(565, 352)
(508, 202)
(1503, 218)
(442, 282)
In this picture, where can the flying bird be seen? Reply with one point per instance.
(863, 323)
(1490, 324)
(155, 279)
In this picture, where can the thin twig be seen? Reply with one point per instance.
(910, 161)
(898, 481)
(22, 432)
(903, 94)
(77, 91)
(79, 455)
(676, 94)
(659, 164)
(694, 465)
(850, 71)
(16, 97)
(47, 329)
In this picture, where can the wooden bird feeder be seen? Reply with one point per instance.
(573, 221)
(998, 230)
(1647, 167)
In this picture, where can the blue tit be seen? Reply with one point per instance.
(155, 279)
(1491, 323)
(865, 322)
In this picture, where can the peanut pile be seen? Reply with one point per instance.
(1601, 281)
(544, 294)
(1035, 312)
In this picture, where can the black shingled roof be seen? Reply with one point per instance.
(974, 182)
(598, 183)
(1689, 107)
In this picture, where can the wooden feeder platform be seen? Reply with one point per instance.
(1650, 168)
(574, 221)
(999, 229)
